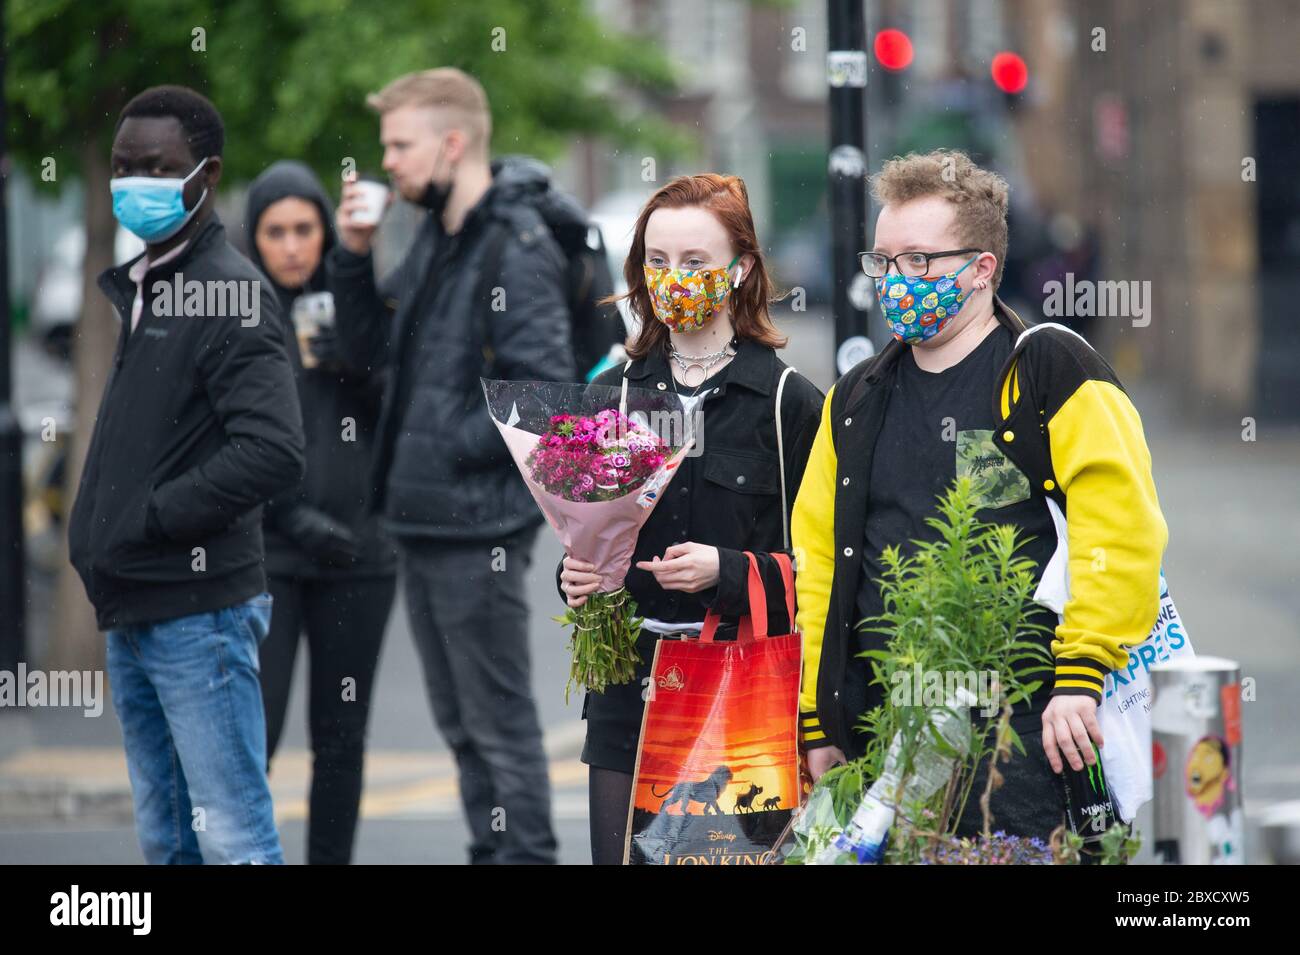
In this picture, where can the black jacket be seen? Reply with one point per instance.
(1064, 421)
(441, 469)
(199, 424)
(730, 495)
(340, 408)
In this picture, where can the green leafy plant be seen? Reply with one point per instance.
(958, 607)
(1117, 846)
(827, 811)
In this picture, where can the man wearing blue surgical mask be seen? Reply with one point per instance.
(199, 424)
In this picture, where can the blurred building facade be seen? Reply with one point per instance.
(1176, 134)
(1163, 149)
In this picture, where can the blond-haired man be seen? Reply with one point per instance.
(1045, 420)
(442, 477)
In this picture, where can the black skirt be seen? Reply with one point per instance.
(614, 717)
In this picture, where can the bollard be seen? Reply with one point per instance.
(1279, 827)
(1196, 761)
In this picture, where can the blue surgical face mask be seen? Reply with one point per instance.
(154, 209)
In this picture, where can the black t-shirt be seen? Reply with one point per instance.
(937, 425)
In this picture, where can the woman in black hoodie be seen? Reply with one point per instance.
(331, 572)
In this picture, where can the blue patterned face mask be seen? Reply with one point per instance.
(917, 307)
(154, 209)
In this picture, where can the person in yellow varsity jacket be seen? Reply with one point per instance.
(1034, 419)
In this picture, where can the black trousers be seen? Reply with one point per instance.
(1028, 803)
(469, 618)
(344, 623)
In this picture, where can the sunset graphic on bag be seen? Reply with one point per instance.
(717, 765)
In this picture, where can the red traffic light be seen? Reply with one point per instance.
(893, 49)
(1009, 72)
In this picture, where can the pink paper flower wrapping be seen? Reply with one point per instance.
(601, 532)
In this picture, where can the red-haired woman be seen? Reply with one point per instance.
(698, 286)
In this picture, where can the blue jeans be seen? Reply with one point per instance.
(187, 694)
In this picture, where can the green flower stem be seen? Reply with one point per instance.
(603, 641)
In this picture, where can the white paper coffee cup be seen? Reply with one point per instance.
(374, 196)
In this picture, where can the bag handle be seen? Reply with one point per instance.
(780, 453)
(711, 620)
(753, 626)
(622, 397)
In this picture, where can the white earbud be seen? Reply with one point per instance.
(740, 274)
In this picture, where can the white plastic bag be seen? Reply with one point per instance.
(1125, 715)
(1125, 711)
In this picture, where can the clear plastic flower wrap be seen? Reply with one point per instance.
(596, 459)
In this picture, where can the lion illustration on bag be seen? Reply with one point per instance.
(745, 801)
(705, 792)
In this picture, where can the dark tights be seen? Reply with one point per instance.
(609, 792)
(344, 624)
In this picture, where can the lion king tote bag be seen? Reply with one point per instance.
(717, 771)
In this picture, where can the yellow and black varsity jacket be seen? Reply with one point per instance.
(1066, 422)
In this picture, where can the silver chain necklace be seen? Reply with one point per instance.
(702, 362)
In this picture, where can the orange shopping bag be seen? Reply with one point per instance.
(717, 768)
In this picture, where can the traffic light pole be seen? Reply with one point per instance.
(846, 73)
(13, 603)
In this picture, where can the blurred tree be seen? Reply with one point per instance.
(289, 79)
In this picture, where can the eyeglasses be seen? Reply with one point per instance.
(913, 264)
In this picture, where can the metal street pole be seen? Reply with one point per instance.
(13, 602)
(846, 75)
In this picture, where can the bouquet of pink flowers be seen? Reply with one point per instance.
(596, 460)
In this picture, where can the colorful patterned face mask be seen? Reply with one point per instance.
(917, 307)
(685, 299)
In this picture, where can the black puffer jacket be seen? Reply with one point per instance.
(340, 408)
(441, 469)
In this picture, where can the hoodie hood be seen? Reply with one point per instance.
(280, 180)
